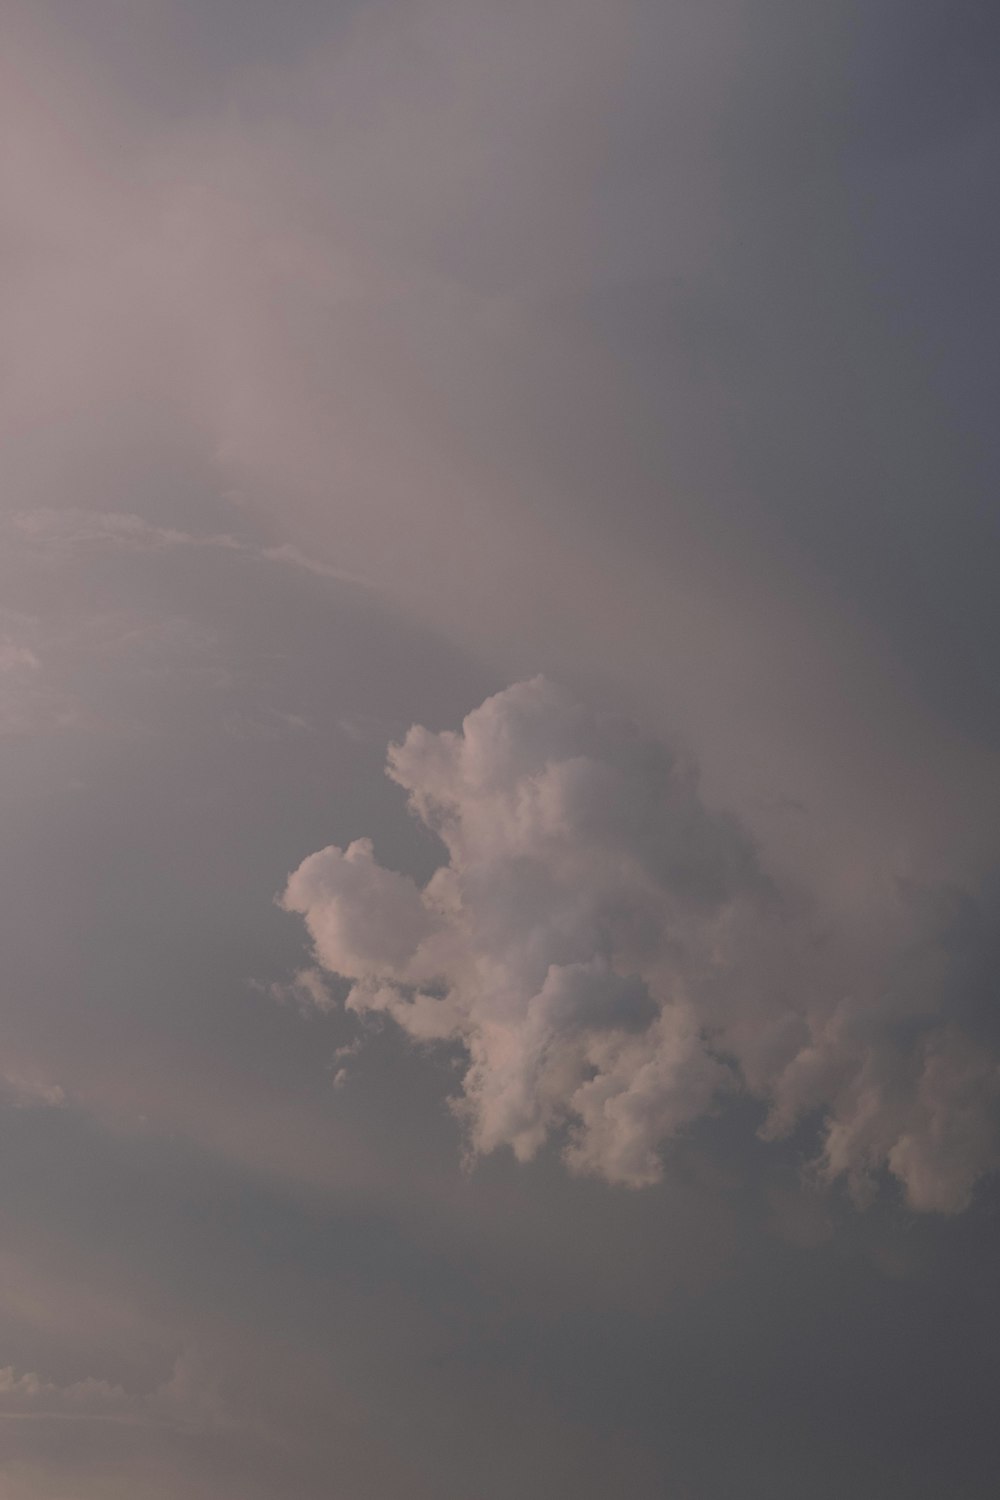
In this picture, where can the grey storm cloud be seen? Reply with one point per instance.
(613, 960)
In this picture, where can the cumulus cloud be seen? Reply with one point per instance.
(612, 959)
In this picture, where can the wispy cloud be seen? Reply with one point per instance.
(188, 1400)
(69, 530)
(26, 1090)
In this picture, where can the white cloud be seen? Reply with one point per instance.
(363, 919)
(612, 959)
(586, 884)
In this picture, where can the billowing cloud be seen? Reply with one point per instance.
(612, 958)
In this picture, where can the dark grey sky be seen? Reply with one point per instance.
(363, 362)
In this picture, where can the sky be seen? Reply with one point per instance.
(500, 728)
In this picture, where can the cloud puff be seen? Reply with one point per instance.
(362, 919)
(613, 959)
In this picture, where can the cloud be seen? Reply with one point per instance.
(613, 960)
(15, 658)
(187, 1400)
(29, 701)
(24, 1090)
(583, 871)
(307, 989)
(70, 528)
(362, 918)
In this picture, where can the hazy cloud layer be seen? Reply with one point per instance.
(360, 359)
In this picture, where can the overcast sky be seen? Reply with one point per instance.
(500, 724)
